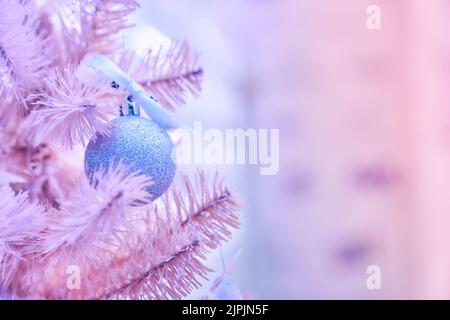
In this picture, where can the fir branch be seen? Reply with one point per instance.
(21, 222)
(89, 218)
(170, 76)
(85, 231)
(104, 20)
(92, 26)
(158, 254)
(125, 247)
(70, 111)
(84, 26)
(24, 55)
(186, 225)
(173, 277)
(212, 213)
(45, 175)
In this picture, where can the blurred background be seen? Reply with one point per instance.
(364, 121)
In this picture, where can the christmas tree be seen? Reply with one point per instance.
(65, 83)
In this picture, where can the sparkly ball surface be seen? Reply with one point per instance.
(138, 143)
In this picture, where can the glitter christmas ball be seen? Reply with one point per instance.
(138, 143)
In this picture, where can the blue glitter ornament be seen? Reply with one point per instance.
(138, 143)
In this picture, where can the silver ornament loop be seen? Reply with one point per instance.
(129, 107)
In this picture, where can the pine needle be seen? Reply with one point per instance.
(170, 76)
(21, 222)
(24, 58)
(70, 111)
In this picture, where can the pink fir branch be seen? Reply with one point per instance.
(87, 230)
(106, 19)
(24, 58)
(164, 266)
(91, 26)
(170, 76)
(212, 213)
(186, 225)
(41, 169)
(126, 247)
(158, 253)
(21, 222)
(89, 217)
(125, 252)
(70, 111)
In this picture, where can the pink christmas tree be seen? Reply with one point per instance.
(53, 218)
